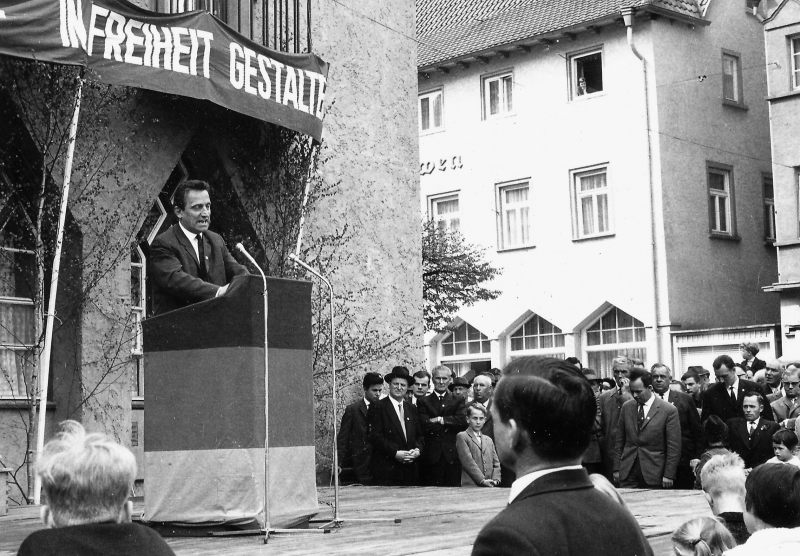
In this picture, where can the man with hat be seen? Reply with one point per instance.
(442, 416)
(352, 442)
(395, 434)
(459, 387)
(593, 457)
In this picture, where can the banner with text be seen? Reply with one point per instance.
(190, 54)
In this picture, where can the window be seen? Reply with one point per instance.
(614, 333)
(795, 45)
(539, 335)
(769, 208)
(720, 201)
(430, 111)
(138, 304)
(586, 74)
(514, 213)
(17, 316)
(465, 340)
(731, 78)
(446, 212)
(592, 199)
(497, 95)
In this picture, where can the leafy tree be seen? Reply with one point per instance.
(453, 275)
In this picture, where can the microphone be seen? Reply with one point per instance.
(240, 248)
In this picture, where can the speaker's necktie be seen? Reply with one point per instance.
(201, 256)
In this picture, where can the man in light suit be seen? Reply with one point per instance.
(544, 410)
(751, 435)
(188, 262)
(352, 442)
(787, 408)
(395, 434)
(724, 399)
(648, 446)
(611, 402)
(689, 417)
(442, 416)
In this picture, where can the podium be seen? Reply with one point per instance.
(206, 384)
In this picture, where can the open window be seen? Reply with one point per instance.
(586, 74)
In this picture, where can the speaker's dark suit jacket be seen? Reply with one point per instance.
(440, 439)
(386, 436)
(175, 270)
(717, 401)
(691, 432)
(562, 513)
(755, 449)
(353, 441)
(657, 444)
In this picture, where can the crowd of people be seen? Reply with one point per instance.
(549, 430)
(735, 439)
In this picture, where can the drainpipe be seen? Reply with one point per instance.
(627, 16)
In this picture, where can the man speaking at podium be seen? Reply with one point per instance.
(188, 262)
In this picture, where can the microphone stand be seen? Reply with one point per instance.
(268, 529)
(337, 520)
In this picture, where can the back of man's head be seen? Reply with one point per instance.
(552, 402)
(86, 478)
(723, 477)
(773, 495)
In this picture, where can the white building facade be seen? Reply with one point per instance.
(614, 163)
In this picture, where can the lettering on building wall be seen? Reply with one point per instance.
(441, 164)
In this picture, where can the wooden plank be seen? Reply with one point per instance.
(436, 521)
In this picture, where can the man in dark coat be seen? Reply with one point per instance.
(689, 417)
(188, 262)
(724, 399)
(751, 436)
(544, 410)
(610, 406)
(442, 416)
(352, 441)
(395, 434)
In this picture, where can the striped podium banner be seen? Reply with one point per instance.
(206, 388)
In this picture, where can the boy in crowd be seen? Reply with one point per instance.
(783, 444)
(86, 481)
(479, 462)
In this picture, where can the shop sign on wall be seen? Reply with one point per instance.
(442, 165)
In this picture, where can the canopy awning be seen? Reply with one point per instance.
(190, 54)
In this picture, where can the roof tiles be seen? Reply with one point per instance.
(449, 29)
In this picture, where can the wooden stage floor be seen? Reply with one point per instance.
(440, 521)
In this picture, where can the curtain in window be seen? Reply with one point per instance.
(16, 324)
(437, 111)
(425, 113)
(15, 371)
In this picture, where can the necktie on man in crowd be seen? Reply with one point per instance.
(640, 420)
(201, 256)
(402, 419)
(750, 428)
(733, 395)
